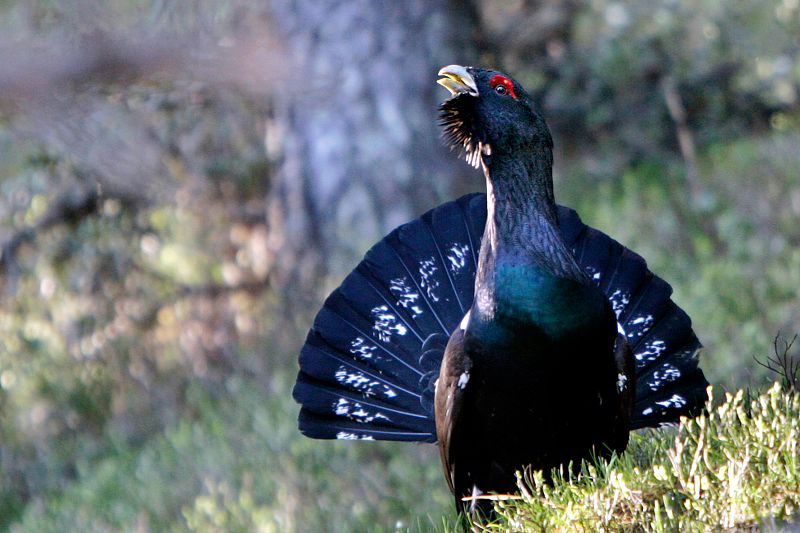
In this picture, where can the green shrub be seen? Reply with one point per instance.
(736, 467)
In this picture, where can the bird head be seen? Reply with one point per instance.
(489, 114)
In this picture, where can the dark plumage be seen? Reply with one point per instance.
(530, 377)
(500, 326)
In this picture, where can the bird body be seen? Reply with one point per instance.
(514, 391)
(499, 325)
(529, 378)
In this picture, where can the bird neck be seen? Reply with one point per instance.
(524, 263)
(522, 222)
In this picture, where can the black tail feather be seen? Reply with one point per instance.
(325, 365)
(371, 360)
(332, 427)
(318, 398)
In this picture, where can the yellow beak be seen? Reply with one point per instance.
(457, 80)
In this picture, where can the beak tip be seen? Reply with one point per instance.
(457, 79)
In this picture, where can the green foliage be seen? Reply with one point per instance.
(146, 362)
(733, 261)
(241, 465)
(736, 467)
(601, 69)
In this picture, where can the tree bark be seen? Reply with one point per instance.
(354, 139)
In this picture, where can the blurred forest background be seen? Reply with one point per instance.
(183, 181)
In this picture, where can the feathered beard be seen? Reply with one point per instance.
(457, 117)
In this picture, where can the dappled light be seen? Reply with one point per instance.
(182, 183)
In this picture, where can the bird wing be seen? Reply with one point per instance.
(451, 388)
(626, 389)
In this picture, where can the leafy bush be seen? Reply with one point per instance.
(736, 467)
(241, 465)
(733, 262)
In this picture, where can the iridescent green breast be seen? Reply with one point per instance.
(559, 307)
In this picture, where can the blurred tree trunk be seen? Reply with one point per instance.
(354, 137)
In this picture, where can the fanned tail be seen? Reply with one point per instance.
(362, 370)
(370, 361)
(669, 383)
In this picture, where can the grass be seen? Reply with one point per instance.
(736, 467)
(240, 465)
(231, 459)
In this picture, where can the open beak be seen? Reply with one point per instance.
(457, 80)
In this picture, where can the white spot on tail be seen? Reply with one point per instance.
(406, 296)
(427, 269)
(651, 350)
(346, 435)
(356, 411)
(594, 274)
(619, 300)
(359, 347)
(386, 323)
(457, 256)
(639, 326)
(674, 401)
(358, 381)
(667, 373)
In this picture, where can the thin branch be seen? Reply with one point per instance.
(686, 142)
(688, 149)
(784, 365)
(68, 208)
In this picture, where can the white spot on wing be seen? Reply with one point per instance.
(464, 322)
(463, 379)
(622, 380)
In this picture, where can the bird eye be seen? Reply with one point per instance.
(502, 86)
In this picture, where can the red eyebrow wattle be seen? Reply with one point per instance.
(499, 79)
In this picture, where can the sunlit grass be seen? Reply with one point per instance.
(736, 467)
